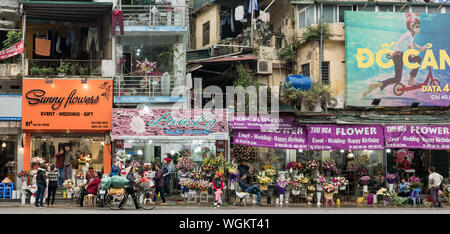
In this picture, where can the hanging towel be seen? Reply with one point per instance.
(239, 13)
(255, 6)
(43, 47)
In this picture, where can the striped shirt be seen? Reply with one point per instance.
(52, 176)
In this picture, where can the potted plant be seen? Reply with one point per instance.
(365, 181)
(83, 71)
(46, 71)
(63, 68)
(74, 69)
(391, 178)
(415, 184)
(35, 71)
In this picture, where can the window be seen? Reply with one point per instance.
(419, 9)
(305, 69)
(399, 8)
(385, 8)
(205, 32)
(278, 42)
(329, 14)
(306, 15)
(434, 9)
(341, 10)
(367, 8)
(326, 73)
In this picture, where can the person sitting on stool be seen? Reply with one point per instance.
(91, 188)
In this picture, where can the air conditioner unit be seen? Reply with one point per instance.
(264, 67)
(335, 103)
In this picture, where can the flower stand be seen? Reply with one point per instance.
(319, 196)
(281, 199)
(23, 196)
(391, 188)
(287, 197)
(329, 199)
(192, 196)
(365, 188)
(204, 196)
(254, 199)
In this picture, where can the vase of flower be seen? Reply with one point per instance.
(342, 187)
(328, 196)
(319, 196)
(391, 188)
(281, 199)
(295, 192)
(365, 188)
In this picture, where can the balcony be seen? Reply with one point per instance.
(63, 67)
(147, 89)
(158, 18)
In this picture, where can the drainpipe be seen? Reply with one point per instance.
(253, 14)
(23, 39)
(321, 43)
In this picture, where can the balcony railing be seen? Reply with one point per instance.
(49, 67)
(146, 86)
(155, 15)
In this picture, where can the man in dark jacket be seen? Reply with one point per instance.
(159, 182)
(41, 181)
(130, 188)
(60, 166)
(68, 159)
(245, 187)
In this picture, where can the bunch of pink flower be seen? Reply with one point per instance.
(414, 179)
(185, 164)
(329, 165)
(312, 164)
(364, 180)
(321, 180)
(339, 181)
(391, 178)
(329, 188)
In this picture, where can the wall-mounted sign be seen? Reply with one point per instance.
(12, 51)
(418, 136)
(400, 58)
(346, 137)
(166, 122)
(66, 104)
(10, 107)
(260, 122)
(294, 138)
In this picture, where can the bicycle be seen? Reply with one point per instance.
(144, 196)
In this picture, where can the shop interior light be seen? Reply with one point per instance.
(370, 151)
(300, 150)
(4, 145)
(172, 152)
(150, 141)
(103, 143)
(388, 150)
(197, 150)
(139, 152)
(350, 155)
(342, 151)
(146, 108)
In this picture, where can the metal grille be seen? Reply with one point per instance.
(155, 15)
(146, 85)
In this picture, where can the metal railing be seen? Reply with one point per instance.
(155, 15)
(149, 86)
(49, 67)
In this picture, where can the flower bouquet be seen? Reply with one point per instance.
(263, 180)
(364, 180)
(69, 184)
(23, 174)
(391, 178)
(379, 179)
(203, 185)
(282, 185)
(270, 170)
(414, 183)
(208, 165)
(339, 182)
(37, 160)
(233, 173)
(350, 166)
(296, 184)
(121, 155)
(85, 159)
(79, 176)
(295, 166)
(329, 165)
(328, 188)
(362, 171)
(185, 164)
(312, 165)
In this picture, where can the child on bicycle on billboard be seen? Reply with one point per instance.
(405, 42)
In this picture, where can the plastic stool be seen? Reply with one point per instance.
(2, 189)
(204, 197)
(91, 199)
(7, 192)
(192, 197)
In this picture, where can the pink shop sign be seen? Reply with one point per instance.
(168, 122)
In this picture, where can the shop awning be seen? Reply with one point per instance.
(299, 81)
(72, 11)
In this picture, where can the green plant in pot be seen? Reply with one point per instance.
(74, 69)
(83, 71)
(35, 71)
(46, 71)
(63, 68)
(317, 94)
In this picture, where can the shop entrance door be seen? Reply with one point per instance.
(439, 159)
(7, 160)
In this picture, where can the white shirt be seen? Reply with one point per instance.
(435, 178)
(404, 42)
(239, 13)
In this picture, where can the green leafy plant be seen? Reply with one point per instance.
(398, 201)
(46, 71)
(83, 71)
(74, 69)
(318, 93)
(12, 37)
(35, 71)
(63, 68)
(313, 32)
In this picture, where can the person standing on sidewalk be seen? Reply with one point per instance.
(167, 170)
(60, 166)
(41, 182)
(53, 178)
(434, 183)
(159, 182)
(129, 188)
(68, 158)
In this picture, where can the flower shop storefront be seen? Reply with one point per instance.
(194, 141)
(60, 112)
(347, 160)
(313, 157)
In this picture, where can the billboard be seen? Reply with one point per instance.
(400, 58)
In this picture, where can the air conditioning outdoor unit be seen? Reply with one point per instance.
(264, 67)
